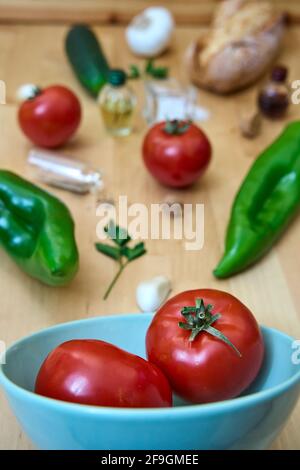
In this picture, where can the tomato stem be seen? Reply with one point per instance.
(200, 318)
(35, 92)
(177, 127)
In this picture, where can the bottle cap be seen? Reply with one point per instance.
(117, 77)
(279, 73)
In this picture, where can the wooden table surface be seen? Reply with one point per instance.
(271, 288)
(186, 12)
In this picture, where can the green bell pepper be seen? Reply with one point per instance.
(266, 202)
(37, 231)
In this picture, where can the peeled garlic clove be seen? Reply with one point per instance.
(151, 294)
(250, 123)
(149, 33)
(26, 91)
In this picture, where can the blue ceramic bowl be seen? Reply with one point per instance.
(251, 421)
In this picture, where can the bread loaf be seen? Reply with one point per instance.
(244, 40)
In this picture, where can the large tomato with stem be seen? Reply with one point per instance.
(176, 153)
(207, 343)
(93, 372)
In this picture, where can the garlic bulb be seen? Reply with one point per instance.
(151, 294)
(149, 33)
(26, 91)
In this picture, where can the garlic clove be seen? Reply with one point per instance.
(26, 91)
(149, 33)
(250, 123)
(151, 294)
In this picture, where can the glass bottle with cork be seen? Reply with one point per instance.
(117, 102)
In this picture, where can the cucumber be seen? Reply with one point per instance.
(87, 58)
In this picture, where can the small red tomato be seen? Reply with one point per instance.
(93, 372)
(184, 341)
(50, 117)
(176, 153)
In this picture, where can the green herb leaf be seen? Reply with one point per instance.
(117, 234)
(149, 66)
(135, 252)
(121, 253)
(134, 72)
(156, 72)
(108, 250)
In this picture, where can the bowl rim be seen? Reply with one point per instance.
(206, 408)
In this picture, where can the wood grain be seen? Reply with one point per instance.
(271, 289)
(116, 11)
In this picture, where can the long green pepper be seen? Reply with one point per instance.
(37, 231)
(266, 202)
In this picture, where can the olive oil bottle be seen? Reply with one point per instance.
(117, 102)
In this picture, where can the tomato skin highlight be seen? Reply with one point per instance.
(176, 161)
(94, 372)
(206, 369)
(50, 118)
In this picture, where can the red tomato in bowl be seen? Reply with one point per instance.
(206, 369)
(94, 372)
(176, 153)
(50, 117)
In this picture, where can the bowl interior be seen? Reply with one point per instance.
(24, 359)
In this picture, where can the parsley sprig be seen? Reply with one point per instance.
(150, 69)
(120, 251)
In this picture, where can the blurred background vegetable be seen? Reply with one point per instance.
(273, 100)
(176, 153)
(87, 58)
(49, 117)
(266, 202)
(244, 39)
(150, 32)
